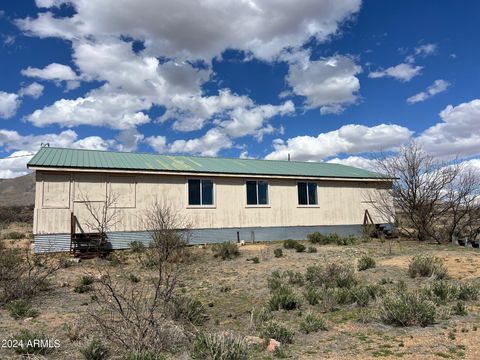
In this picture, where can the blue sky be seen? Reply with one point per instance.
(321, 80)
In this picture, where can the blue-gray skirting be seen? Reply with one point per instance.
(122, 239)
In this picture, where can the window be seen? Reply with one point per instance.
(257, 192)
(200, 192)
(307, 193)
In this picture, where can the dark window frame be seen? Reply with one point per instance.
(307, 194)
(257, 204)
(201, 204)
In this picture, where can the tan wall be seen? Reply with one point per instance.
(57, 194)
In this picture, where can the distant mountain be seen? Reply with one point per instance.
(18, 191)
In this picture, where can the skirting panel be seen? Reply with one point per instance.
(121, 240)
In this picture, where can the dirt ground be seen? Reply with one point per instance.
(207, 279)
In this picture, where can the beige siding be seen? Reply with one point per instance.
(340, 202)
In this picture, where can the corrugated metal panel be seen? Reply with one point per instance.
(93, 159)
(121, 240)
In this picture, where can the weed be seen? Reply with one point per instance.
(312, 249)
(133, 278)
(407, 309)
(467, 292)
(274, 329)
(427, 266)
(220, 346)
(317, 238)
(72, 331)
(294, 277)
(187, 308)
(84, 285)
(441, 292)
(260, 315)
(30, 343)
(137, 246)
(300, 247)
(366, 262)
(290, 244)
(255, 260)
(332, 275)
(226, 250)
(459, 308)
(95, 350)
(312, 323)
(283, 298)
(19, 309)
(114, 259)
(278, 253)
(312, 295)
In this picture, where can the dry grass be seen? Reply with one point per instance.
(229, 290)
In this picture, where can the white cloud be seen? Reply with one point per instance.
(129, 140)
(198, 30)
(356, 161)
(12, 140)
(15, 164)
(437, 87)
(157, 143)
(328, 84)
(34, 90)
(9, 103)
(425, 49)
(403, 72)
(349, 139)
(56, 73)
(208, 145)
(457, 134)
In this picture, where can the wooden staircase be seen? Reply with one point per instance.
(86, 245)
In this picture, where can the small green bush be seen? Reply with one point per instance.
(190, 309)
(312, 249)
(294, 277)
(278, 253)
(467, 292)
(255, 260)
(459, 308)
(114, 259)
(407, 309)
(226, 250)
(220, 346)
(441, 292)
(312, 323)
(366, 262)
(14, 235)
(290, 244)
(95, 350)
(283, 298)
(317, 238)
(275, 280)
(20, 309)
(312, 295)
(346, 240)
(30, 345)
(331, 275)
(84, 285)
(427, 266)
(260, 315)
(331, 299)
(274, 329)
(278, 278)
(137, 246)
(300, 247)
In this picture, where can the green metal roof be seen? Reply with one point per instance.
(48, 157)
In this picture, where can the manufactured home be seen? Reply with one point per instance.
(224, 199)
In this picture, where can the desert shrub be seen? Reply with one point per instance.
(133, 278)
(73, 331)
(274, 329)
(14, 235)
(114, 259)
(21, 273)
(467, 292)
(30, 344)
(84, 284)
(290, 244)
(190, 309)
(294, 277)
(312, 323)
(260, 315)
(312, 249)
(144, 355)
(365, 262)
(300, 247)
(255, 260)
(427, 266)
(407, 309)
(95, 350)
(312, 295)
(137, 246)
(459, 308)
(278, 253)
(275, 280)
(361, 296)
(19, 309)
(279, 352)
(330, 299)
(317, 238)
(226, 250)
(345, 240)
(220, 346)
(331, 275)
(283, 298)
(65, 262)
(441, 292)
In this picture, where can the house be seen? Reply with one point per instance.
(224, 199)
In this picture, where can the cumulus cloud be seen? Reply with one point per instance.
(157, 143)
(347, 139)
(199, 30)
(403, 72)
(209, 144)
(35, 90)
(9, 103)
(355, 161)
(56, 73)
(14, 164)
(329, 83)
(457, 134)
(437, 87)
(12, 140)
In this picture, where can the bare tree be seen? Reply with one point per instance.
(103, 214)
(429, 199)
(138, 316)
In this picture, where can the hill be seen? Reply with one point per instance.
(19, 191)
